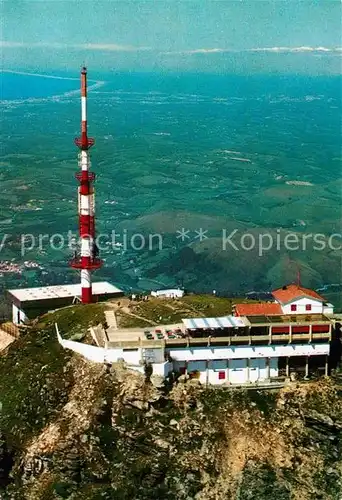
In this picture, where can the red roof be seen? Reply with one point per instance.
(293, 292)
(263, 309)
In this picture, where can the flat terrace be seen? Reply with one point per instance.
(220, 341)
(287, 319)
(137, 334)
(257, 330)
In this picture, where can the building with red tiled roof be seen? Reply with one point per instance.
(290, 299)
(289, 293)
(261, 309)
(297, 299)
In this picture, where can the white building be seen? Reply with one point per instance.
(170, 293)
(28, 303)
(290, 299)
(295, 299)
(227, 350)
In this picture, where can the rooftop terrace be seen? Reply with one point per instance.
(178, 335)
(286, 319)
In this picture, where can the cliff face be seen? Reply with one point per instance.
(72, 429)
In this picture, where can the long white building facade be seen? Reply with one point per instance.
(240, 365)
(241, 351)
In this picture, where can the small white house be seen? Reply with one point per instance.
(295, 299)
(170, 293)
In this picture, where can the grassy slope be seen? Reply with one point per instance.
(34, 377)
(336, 299)
(167, 311)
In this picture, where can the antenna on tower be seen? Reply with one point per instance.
(298, 275)
(88, 260)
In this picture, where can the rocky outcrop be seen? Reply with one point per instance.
(73, 429)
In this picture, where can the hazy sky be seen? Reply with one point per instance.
(200, 35)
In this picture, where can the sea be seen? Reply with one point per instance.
(188, 158)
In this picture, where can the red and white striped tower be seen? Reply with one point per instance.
(87, 261)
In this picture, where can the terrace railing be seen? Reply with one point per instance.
(223, 341)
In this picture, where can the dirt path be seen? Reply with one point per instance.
(126, 310)
(111, 319)
(124, 307)
(169, 306)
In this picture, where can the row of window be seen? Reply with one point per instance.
(221, 374)
(307, 307)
